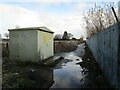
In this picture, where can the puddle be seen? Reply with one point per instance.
(67, 74)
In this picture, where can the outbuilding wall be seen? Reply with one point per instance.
(23, 45)
(31, 45)
(45, 45)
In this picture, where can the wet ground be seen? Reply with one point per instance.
(66, 74)
(69, 73)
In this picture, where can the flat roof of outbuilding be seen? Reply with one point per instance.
(44, 29)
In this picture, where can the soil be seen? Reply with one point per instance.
(95, 73)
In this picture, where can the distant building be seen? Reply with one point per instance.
(32, 44)
(5, 43)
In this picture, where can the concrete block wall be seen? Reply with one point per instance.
(118, 69)
(119, 10)
(105, 47)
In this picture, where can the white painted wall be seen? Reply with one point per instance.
(45, 45)
(30, 45)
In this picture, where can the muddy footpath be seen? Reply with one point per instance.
(71, 69)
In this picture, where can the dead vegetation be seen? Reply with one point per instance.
(19, 74)
(27, 74)
(98, 18)
(65, 45)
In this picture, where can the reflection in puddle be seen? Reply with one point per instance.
(67, 73)
(68, 76)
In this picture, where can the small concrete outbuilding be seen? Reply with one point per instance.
(31, 44)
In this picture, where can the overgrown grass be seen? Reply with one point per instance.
(23, 74)
(5, 52)
(16, 80)
(28, 63)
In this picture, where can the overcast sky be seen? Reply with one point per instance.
(57, 15)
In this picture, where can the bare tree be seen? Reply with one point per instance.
(70, 36)
(6, 35)
(58, 36)
(98, 18)
(65, 36)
